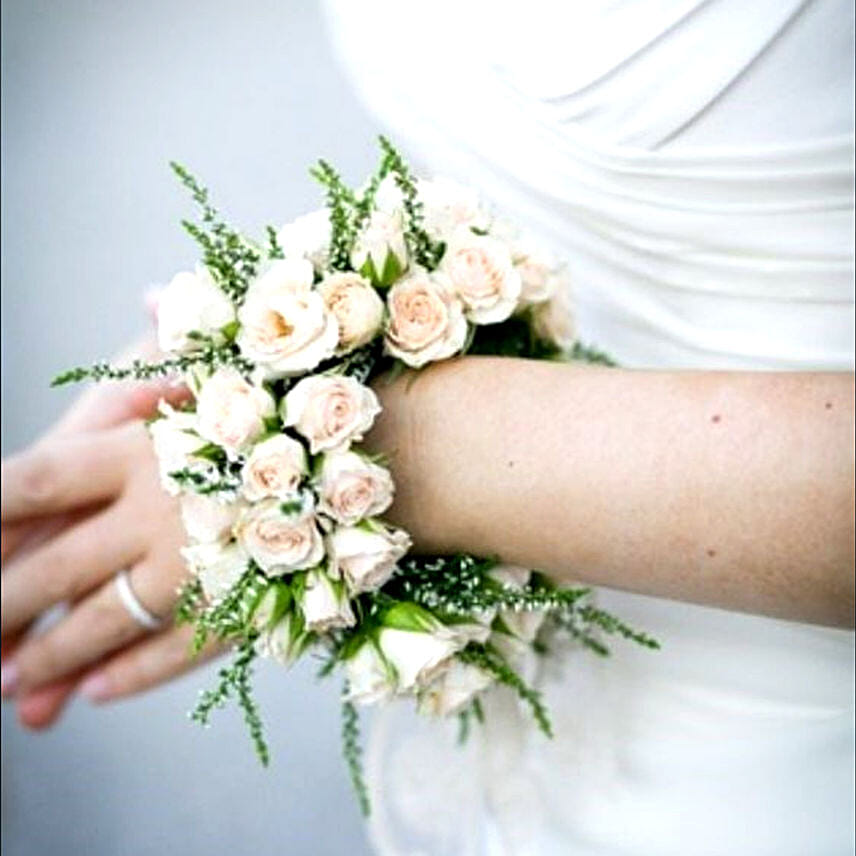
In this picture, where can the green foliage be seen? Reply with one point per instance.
(229, 616)
(425, 251)
(353, 752)
(235, 680)
(210, 356)
(232, 260)
(190, 599)
(514, 337)
(205, 483)
(588, 354)
(339, 202)
(488, 658)
(274, 248)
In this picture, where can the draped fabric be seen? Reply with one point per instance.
(693, 160)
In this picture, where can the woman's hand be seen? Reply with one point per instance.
(77, 507)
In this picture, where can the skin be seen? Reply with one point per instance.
(722, 488)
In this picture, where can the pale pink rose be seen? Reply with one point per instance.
(231, 412)
(280, 539)
(539, 273)
(285, 326)
(426, 320)
(553, 320)
(352, 488)
(482, 273)
(357, 307)
(366, 557)
(330, 411)
(274, 468)
(175, 440)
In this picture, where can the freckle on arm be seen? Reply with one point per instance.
(715, 418)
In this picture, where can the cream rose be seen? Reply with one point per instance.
(369, 678)
(352, 488)
(523, 624)
(456, 687)
(218, 566)
(417, 657)
(380, 251)
(175, 439)
(357, 307)
(231, 412)
(540, 276)
(192, 302)
(426, 320)
(281, 540)
(366, 557)
(330, 411)
(482, 273)
(207, 519)
(554, 319)
(307, 237)
(325, 604)
(285, 326)
(274, 468)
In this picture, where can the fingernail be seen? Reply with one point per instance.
(96, 687)
(8, 679)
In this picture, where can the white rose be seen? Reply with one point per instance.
(380, 251)
(330, 411)
(285, 641)
(307, 237)
(192, 302)
(325, 604)
(207, 519)
(366, 558)
(231, 412)
(483, 275)
(352, 488)
(280, 539)
(426, 320)
(217, 566)
(285, 326)
(553, 320)
(274, 468)
(175, 440)
(449, 206)
(357, 307)
(417, 657)
(456, 687)
(369, 678)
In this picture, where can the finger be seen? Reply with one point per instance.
(26, 535)
(42, 707)
(64, 473)
(147, 664)
(97, 626)
(68, 566)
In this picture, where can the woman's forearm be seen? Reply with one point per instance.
(733, 489)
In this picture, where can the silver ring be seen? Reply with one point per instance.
(132, 603)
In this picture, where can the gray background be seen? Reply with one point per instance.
(98, 95)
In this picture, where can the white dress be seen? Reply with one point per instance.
(693, 162)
